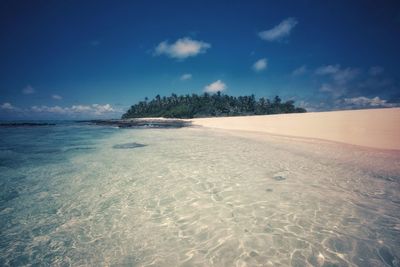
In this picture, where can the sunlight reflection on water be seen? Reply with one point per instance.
(193, 197)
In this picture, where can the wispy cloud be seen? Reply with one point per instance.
(217, 86)
(376, 70)
(340, 76)
(343, 76)
(260, 65)
(28, 90)
(351, 88)
(299, 71)
(186, 76)
(328, 69)
(333, 89)
(363, 101)
(182, 48)
(7, 106)
(280, 31)
(56, 97)
(95, 43)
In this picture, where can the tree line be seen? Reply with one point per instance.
(209, 105)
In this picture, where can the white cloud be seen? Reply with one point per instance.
(88, 110)
(28, 90)
(7, 106)
(340, 79)
(280, 31)
(299, 71)
(376, 70)
(182, 48)
(101, 109)
(215, 87)
(74, 111)
(310, 107)
(186, 76)
(260, 65)
(363, 101)
(348, 87)
(56, 97)
(80, 108)
(46, 109)
(328, 69)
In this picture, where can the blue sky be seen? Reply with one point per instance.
(84, 59)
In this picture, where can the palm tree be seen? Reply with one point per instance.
(188, 106)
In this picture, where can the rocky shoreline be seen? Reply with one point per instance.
(25, 124)
(142, 123)
(122, 123)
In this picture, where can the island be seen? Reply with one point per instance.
(209, 105)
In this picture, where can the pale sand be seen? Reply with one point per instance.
(375, 128)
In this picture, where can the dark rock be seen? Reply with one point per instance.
(281, 175)
(128, 146)
(278, 178)
(253, 254)
(386, 256)
(79, 148)
(25, 124)
(141, 123)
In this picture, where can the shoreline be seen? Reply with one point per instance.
(142, 123)
(371, 128)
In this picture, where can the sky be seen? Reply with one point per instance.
(94, 59)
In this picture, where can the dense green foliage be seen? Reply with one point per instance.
(207, 105)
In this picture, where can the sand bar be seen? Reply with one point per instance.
(375, 128)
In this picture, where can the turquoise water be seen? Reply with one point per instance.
(79, 195)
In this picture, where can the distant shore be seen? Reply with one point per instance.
(142, 123)
(25, 124)
(374, 128)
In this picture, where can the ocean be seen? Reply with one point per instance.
(83, 195)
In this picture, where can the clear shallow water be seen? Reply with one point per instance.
(72, 195)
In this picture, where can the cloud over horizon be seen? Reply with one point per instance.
(280, 31)
(94, 109)
(182, 48)
(74, 111)
(217, 86)
(341, 87)
(365, 102)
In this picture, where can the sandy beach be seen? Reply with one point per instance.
(374, 128)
